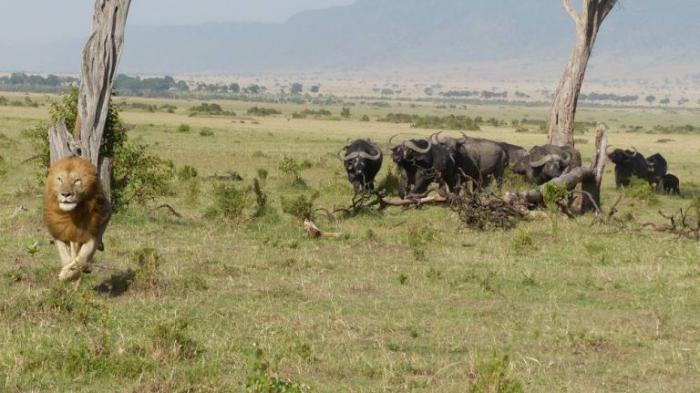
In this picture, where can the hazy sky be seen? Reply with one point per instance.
(43, 21)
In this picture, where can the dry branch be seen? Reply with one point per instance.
(429, 200)
(590, 179)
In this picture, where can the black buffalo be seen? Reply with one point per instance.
(657, 169)
(629, 163)
(515, 153)
(421, 163)
(362, 160)
(547, 162)
(479, 160)
(671, 184)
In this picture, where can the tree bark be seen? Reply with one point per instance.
(563, 112)
(100, 58)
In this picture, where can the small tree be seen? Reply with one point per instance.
(297, 88)
(650, 99)
(345, 113)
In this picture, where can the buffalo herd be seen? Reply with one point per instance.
(452, 163)
(652, 169)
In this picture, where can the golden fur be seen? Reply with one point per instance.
(77, 178)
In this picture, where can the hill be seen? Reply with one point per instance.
(497, 39)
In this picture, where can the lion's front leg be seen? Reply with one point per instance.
(64, 252)
(82, 256)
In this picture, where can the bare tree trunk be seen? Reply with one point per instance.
(563, 113)
(99, 64)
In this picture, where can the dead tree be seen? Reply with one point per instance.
(99, 64)
(590, 179)
(563, 112)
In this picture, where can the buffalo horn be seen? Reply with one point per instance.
(411, 145)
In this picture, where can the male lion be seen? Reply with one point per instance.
(75, 211)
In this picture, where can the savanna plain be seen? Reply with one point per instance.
(402, 300)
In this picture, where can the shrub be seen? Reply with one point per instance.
(262, 174)
(641, 190)
(147, 273)
(260, 199)
(310, 112)
(184, 128)
(139, 177)
(301, 207)
(451, 122)
(171, 341)
(365, 118)
(206, 132)
(345, 112)
(258, 111)
(229, 202)
(291, 169)
(186, 173)
(263, 380)
(492, 376)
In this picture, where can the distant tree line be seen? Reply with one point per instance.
(609, 97)
(19, 81)
(474, 93)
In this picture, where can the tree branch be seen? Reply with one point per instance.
(570, 10)
(604, 9)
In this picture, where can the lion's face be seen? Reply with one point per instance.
(71, 180)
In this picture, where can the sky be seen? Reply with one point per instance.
(44, 21)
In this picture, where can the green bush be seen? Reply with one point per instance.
(492, 376)
(291, 169)
(310, 112)
(139, 177)
(186, 173)
(640, 190)
(301, 207)
(229, 202)
(263, 379)
(258, 111)
(184, 128)
(450, 122)
(206, 132)
(171, 341)
(148, 263)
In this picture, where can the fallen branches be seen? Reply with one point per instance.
(429, 200)
(684, 224)
(484, 211)
(589, 178)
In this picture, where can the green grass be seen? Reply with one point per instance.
(402, 301)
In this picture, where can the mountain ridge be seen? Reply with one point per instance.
(389, 34)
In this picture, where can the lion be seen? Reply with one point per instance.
(76, 212)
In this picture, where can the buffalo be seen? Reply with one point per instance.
(515, 153)
(422, 162)
(657, 169)
(478, 160)
(671, 184)
(362, 160)
(630, 163)
(547, 162)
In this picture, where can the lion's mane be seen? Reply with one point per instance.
(83, 223)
